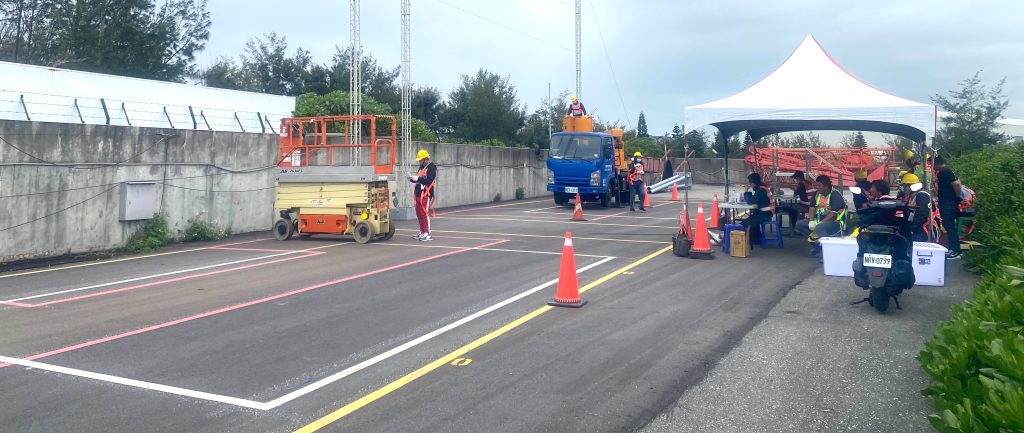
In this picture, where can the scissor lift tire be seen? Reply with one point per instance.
(363, 232)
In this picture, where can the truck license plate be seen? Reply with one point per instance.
(571, 190)
(878, 260)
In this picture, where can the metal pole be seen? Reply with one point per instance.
(579, 85)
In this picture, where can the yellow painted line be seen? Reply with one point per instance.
(457, 353)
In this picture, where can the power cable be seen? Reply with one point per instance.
(610, 68)
(511, 29)
(59, 211)
(163, 138)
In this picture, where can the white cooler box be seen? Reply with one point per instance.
(929, 263)
(838, 255)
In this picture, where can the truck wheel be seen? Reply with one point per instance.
(561, 199)
(283, 229)
(363, 232)
(606, 199)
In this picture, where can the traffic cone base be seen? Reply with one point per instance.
(577, 212)
(567, 294)
(701, 248)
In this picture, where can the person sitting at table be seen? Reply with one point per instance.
(803, 191)
(829, 214)
(761, 197)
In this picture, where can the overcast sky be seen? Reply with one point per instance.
(665, 54)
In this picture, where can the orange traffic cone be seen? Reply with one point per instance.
(714, 211)
(684, 223)
(568, 292)
(577, 213)
(701, 248)
(647, 197)
(675, 193)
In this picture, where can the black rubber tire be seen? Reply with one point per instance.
(390, 234)
(606, 199)
(880, 299)
(283, 229)
(561, 199)
(363, 232)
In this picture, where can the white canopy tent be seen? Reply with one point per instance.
(810, 91)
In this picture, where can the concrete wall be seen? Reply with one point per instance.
(470, 174)
(50, 210)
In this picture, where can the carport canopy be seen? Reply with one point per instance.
(810, 91)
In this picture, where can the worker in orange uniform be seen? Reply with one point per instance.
(576, 108)
(635, 179)
(425, 179)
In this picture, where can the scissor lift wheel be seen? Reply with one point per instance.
(283, 229)
(390, 234)
(363, 232)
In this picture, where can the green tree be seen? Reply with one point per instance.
(858, 140)
(337, 103)
(901, 143)
(719, 146)
(647, 146)
(483, 107)
(641, 126)
(134, 38)
(848, 140)
(697, 142)
(973, 111)
(426, 105)
(747, 142)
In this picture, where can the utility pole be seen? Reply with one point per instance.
(17, 38)
(579, 83)
(355, 80)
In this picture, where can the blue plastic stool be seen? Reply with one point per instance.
(725, 236)
(778, 232)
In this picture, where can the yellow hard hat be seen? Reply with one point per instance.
(422, 154)
(907, 155)
(899, 176)
(573, 97)
(635, 154)
(909, 179)
(860, 175)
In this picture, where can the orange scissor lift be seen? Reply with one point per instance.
(328, 184)
(837, 163)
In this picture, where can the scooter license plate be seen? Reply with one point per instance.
(571, 190)
(878, 260)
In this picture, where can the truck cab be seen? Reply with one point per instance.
(589, 163)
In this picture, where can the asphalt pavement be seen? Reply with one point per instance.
(250, 334)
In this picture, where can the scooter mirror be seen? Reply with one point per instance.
(855, 189)
(916, 187)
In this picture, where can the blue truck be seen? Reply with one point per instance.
(589, 163)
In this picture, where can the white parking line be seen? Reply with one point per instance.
(543, 236)
(149, 277)
(135, 383)
(301, 391)
(553, 253)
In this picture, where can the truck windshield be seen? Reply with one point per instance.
(584, 147)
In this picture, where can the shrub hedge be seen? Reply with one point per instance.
(976, 359)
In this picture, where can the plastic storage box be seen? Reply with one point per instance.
(929, 263)
(838, 255)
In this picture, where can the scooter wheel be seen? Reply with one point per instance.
(880, 299)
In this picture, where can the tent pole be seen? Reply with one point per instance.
(725, 160)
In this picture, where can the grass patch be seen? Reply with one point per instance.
(152, 235)
(200, 230)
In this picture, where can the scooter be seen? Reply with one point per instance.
(883, 263)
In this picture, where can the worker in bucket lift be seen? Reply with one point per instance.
(576, 108)
(425, 179)
(635, 179)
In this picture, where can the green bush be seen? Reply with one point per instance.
(520, 193)
(152, 235)
(200, 230)
(976, 359)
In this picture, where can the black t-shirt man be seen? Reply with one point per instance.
(945, 181)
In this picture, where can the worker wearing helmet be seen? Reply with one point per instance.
(919, 204)
(910, 163)
(576, 107)
(860, 177)
(425, 179)
(635, 181)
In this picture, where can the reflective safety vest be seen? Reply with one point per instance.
(913, 209)
(576, 108)
(425, 190)
(821, 209)
(771, 200)
(637, 173)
